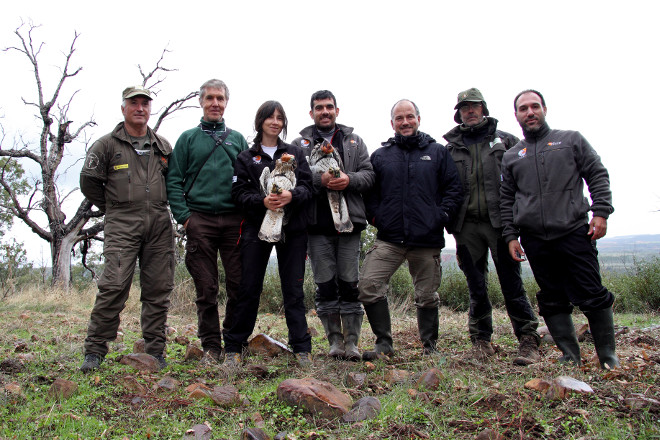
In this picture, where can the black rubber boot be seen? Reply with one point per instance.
(379, 320)
(332, 326)
(352, 324)
(601, 324)
(563, 333)
(427, 324)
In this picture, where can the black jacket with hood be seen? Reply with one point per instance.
(417, 191)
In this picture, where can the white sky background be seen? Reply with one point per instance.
(596, 63)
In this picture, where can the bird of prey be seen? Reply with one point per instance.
(274, 182)
(324, 158)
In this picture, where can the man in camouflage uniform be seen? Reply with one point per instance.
(124, 177)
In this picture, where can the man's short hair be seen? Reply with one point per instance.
(213, 84)
(322, 94)
(402, 100)
(515, 101)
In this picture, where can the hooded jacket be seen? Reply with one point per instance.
(542, 192)
(355, 158)
(482, 194)
(416, 193)
(246, 190)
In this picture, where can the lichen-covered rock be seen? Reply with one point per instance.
(430, 379)
(366, 408)
(141, 362)
(62, 389)
(315, 397)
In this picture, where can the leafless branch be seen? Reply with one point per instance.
(174, 107)
(20, 153)
(149, 75)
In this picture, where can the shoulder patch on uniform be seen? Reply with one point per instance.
(92, 161)
(121, 167)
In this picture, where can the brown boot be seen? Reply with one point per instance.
(528, 351)
(482, 349)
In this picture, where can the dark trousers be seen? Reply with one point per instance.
(473, 243)
(567, 272)
(207, 234)
(335, 263)
(128, 240)
(291, 255)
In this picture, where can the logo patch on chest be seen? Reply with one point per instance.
(495, 142)
(522, 153)
(120, 167)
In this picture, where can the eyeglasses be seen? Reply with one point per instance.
(470, 106)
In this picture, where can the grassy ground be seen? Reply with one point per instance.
(42, 340)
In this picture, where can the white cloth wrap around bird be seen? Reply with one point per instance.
(324, 158)
(281, 178)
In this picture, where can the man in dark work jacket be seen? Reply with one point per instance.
(477, 147)
(543, 203)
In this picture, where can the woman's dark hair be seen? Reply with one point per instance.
(264, 112)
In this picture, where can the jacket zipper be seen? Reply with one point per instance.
(538, 178)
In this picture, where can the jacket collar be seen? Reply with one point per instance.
(533, 136)
(455, 135)
(420, 140)
(308, 132)
(215, 126)
(120, 133)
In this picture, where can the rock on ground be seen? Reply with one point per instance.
(314, 396)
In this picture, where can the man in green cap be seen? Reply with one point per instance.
(477, 147)
(124, 177)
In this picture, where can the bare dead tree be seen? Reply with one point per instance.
(56, 131)
(152, 79)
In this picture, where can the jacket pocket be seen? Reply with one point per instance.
(118, 188)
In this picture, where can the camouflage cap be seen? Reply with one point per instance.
(132, 91)
(469, 95)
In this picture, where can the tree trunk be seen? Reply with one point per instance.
(60, 248)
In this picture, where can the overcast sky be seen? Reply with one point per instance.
(596, 62)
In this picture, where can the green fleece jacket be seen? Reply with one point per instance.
(211, 191)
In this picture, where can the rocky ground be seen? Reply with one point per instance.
(449, 395)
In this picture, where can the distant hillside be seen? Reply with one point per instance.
(614, 253)
(620, 253)
(631, 244)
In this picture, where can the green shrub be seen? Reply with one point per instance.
(637, 290)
